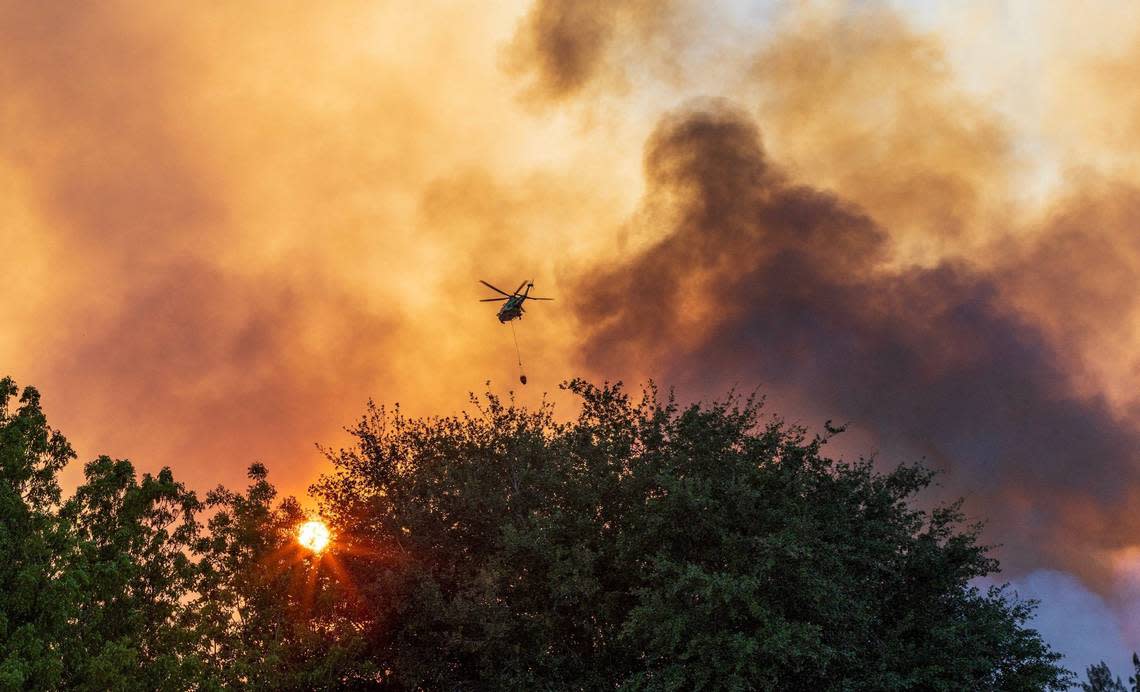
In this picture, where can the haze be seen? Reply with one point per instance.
(226, 226)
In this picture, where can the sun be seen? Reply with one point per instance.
(314, 535)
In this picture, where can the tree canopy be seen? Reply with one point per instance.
(1099, 678)
(641, 544)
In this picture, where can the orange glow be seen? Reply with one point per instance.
(314, 535)
(226, 228)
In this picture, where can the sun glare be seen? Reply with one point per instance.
(313, 535)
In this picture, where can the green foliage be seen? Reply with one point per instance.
(91, 590)
(38, 593)
(655, 547)
(131, 629)
(643, 546)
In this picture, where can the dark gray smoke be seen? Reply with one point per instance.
(793, 295)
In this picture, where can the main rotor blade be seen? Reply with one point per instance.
(496, 290)
(493, 300)
(533, 298)
(520, 288)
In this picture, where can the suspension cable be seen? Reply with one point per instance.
(518, 353)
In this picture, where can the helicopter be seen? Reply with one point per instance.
(513, 307)
(513, 310)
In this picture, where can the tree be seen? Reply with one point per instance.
(38, 595)
(644, 546)
(131, 628)
(1100, 679)
(92, 590)
(658, 547)
(269, 615)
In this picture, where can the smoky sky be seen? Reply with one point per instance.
(199, 263)
(792, 294)
(225, 226)
(562, 47)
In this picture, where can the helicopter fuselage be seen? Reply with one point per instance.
(512, 302)
(511, 310)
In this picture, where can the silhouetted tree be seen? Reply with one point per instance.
(1099, 679)
(269, 615)
(657, 547)
(646, 546)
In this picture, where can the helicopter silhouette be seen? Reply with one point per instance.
(513, 310)
(513, 306)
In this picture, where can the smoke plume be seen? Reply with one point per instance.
(763, 281)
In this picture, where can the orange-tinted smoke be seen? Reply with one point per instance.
(564, 46)
(800, 301)
(146, 342)
(895, 269)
